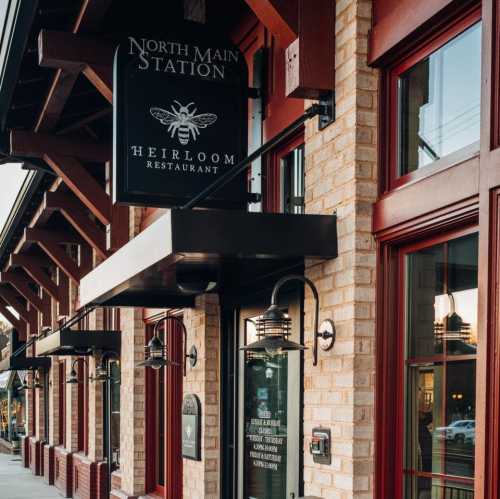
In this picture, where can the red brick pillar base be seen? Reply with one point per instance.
(35, 456)
(63, 471)
(25, 451)
(84, 478)
(48, 464)
(102, 481)
(118, 494)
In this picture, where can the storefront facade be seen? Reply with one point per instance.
(376, 224)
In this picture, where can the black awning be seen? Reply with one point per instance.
(17, 359)
(185, 252)
(73, 342)
(23, 363)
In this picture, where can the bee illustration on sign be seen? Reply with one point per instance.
(183, 122)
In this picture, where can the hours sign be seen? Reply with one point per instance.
(180, 118)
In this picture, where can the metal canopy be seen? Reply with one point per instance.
(185, 251)
(73, 342)
(22, 363)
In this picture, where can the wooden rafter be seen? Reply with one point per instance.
(90, 16)
(71, 209)
(46, 312)
(117, 232)
(280, 17)
(50, 243)
(19, 324)
(32, 266)
(23, 143)
(72, 52)
(83, 185)
(12, 298)
(19, 281)
(102, 79)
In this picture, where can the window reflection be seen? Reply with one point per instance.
(439, 102)
(441, 344)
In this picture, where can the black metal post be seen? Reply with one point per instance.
(314, 110)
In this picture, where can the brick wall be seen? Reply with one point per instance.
(54, 402)
(48, 464)
(96, 424)
(132, 432)
(63, 471)
(84, 478)
(341, 177)
(25, 452)
(34, 456)
(201, 479)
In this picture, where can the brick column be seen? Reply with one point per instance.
(201, 478)
(96, 423)
(132, 432)
(341, 177)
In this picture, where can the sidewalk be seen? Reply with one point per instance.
(17, 482)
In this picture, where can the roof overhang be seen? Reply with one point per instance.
(73, 342)
(16, 18)
(181, 253)
(22, 363)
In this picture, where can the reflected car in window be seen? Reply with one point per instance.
(458, 431)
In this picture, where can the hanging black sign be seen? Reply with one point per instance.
(180, 118)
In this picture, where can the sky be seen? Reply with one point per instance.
(11, 180)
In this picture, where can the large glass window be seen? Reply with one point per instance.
(439, 102)
(440, 370)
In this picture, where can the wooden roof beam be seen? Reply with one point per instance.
(89, 18)
(10, 296)
(102, 79)
(280, 17)
(72, 52)
(49, 242)
(16, 323)
(22, 284)
(23, 143)
(70, 208)
(83, 185)
(32, 266)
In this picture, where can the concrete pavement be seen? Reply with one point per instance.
(17, 482)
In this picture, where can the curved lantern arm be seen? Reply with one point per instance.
(317, 334)
(193, 354)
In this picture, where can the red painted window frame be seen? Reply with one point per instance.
(173, 402)
(433, 42)
(62, 403)
(389, 431)
(272, 187)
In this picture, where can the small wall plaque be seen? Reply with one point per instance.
(191, 427)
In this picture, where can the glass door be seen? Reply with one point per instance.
(269, 414)
(440, 344)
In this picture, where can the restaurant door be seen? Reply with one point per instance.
(269, 412)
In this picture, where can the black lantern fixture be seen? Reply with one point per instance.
(156, 353)
(273, 327)
(73, 375)
(37, 384)
(101, 370)
(26, 385)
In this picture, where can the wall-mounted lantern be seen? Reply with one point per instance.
(35, 384)
(73, 375)
(273, 327)
(101, 370)
(156, 353)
